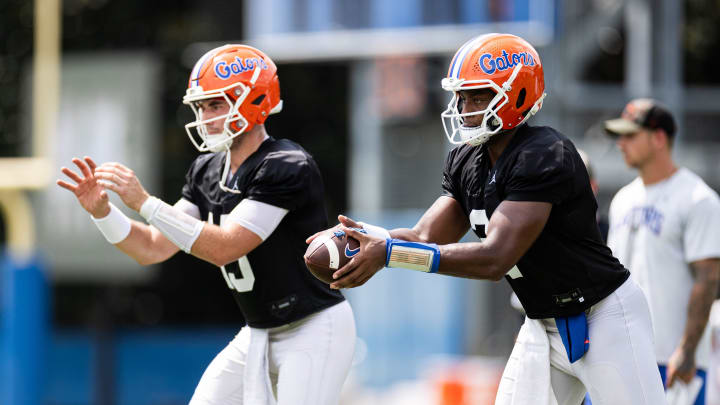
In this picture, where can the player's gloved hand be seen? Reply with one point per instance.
(88, 190)
(344, 221)
(364, 264)
(122, 180)
(680, 365)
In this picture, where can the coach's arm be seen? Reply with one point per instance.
(707, 280)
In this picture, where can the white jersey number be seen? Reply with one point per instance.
(247, 280)
(478, 218)
(243, 284)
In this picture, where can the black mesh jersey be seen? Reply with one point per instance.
(271, 284)
(568, 268)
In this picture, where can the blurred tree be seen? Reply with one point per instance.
(701, 40)
(608, 62)
(16, 17)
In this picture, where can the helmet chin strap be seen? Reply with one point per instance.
(217, 142)
(226, 172)
(225, 145)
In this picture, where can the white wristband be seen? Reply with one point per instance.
(115, 226)
(374, 230)
(179, 227)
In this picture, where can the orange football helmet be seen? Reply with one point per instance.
(246, 79)
(504, 63)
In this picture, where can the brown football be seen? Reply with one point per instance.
(329, 252)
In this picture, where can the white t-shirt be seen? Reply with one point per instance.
(656, 231)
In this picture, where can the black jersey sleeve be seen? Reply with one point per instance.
(450, 178)
(542, 173)
(188, 190)
(285, 179)
(192, 190)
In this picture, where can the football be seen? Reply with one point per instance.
(329, 252)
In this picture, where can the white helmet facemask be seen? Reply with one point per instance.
(198, 130)
(454, 121)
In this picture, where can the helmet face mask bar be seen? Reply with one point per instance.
(454, 120)
(198, 128)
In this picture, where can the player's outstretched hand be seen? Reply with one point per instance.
(364, 264)
(87, 189)
(344, 221)
(122, 180)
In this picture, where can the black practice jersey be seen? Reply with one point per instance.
(271, 284)
(568, 268)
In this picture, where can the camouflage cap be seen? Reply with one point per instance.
(641, 113)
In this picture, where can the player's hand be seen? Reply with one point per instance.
(344, 221)
(89, 192)
(122, 180)
(364, 264)
(681, 365)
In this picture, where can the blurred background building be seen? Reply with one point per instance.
(361, 85)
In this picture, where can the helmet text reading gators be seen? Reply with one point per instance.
(244, 78)
(507, 65)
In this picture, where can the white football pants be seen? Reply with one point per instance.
(309, 360)
(619, 367)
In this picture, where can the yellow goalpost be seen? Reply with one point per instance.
(18, 175)
(24, 321)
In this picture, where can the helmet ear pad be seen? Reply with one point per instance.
(520, 99)
(257, 105)
(526, 90)
(265, 102)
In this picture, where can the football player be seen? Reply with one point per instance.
(247, 206)
(664, 228)
(524, 190)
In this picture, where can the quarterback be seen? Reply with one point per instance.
(664, 228)
(246, 207)
(525, 192)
